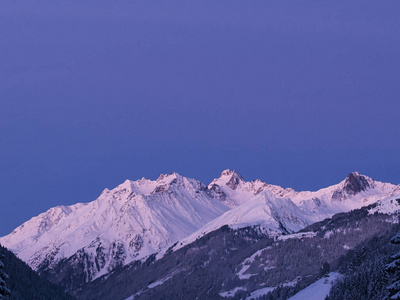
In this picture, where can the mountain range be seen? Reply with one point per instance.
(151, 218)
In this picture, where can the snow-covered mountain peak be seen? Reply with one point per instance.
(166, 178)
(142, 186)
(230, 178)
(145, 186)
(174, 182)
(231, 189)
(126, 185)
(173, 178)
(354, 192)
(228, 172)
(356, 183)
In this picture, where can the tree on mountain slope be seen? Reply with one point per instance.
(3, 277)
(394, 268)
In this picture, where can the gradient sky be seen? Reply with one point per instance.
(296, 93)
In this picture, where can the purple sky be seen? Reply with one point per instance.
(296, 93)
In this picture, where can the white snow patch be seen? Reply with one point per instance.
(150, 286)
(254, 255)
(300, 235)
(328, 234)
(231, 293)
(291, 283)
(244, 269)
(246, 264)
(318, 290)
(157, 283)
(393, 220)
(260, 292)
(265, 290)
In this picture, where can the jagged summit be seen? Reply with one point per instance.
(356, 183)
(231, 189)
(235, 181)
(230, 178)
(169, 177)
(146, 186)
(229, 172)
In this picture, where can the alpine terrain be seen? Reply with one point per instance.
(149, 237)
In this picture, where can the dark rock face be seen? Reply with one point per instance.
(71, 272)
(118, 255)
(136, 243)
(216, 192)
(235, 180)
(160, 188)
(260, 189)
(338, 195)
(355, 183)
(100, 258)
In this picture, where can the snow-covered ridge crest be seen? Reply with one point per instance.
(280, 210)
(355, 191)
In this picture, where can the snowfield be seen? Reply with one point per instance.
(318, 290)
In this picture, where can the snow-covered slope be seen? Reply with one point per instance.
(127, 223)
(280, 210)
(275, 215)
(318, 290)
(389, 205)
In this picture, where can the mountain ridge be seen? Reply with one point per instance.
(143, 217)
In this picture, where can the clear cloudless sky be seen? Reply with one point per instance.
(92, 92)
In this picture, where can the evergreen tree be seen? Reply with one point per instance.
(3, 277)
(325, 269)
(394, 268)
